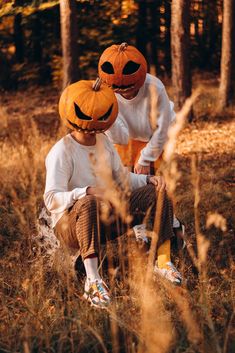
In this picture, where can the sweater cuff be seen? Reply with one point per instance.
(79, 193)
(143, 162)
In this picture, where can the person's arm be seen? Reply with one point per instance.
(124, 178)
(156, 180)
(57, 198)
(118, 132)
(96, 191)
(154, 147)
(137, 180)
(121, 174)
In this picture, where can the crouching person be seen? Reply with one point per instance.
(78, 168)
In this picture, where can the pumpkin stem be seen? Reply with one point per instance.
(96, 85)
(122, 47)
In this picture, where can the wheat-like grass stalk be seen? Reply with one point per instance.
(40, 304)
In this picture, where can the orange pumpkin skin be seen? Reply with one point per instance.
(89, 110)
(116, 58)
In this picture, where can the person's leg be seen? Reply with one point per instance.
(179, 242)
(79, 227)
(164, 254)
(144, 200)
(91, 267)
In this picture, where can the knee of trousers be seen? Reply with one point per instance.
(154, 195)
(151, 188)
(88, 204)
(150, 193)
(167, 200)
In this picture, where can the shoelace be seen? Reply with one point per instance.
(174, 271)
(101, 289)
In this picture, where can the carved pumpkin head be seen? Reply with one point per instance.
(88, 106)
(123, 68)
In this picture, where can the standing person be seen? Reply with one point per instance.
(80, 169)
(137, 131)
(124, 68)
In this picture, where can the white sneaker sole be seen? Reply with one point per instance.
(90, 302)
(163, 275)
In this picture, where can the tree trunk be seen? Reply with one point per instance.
(167, 40)
(154, 31)
(181, 77)
(226, 56)
(36, 38)
(233, 55)
(18, 34)
(69, 37)
(141, 33)
(208, 39)
(18, 38)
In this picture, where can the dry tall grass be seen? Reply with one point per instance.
(41, 309)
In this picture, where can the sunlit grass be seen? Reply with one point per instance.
(41, 306)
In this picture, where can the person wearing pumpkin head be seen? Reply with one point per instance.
(139, 96)
(78, 186)
(138, 134)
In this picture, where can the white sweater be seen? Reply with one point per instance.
(146, 117)
(72, 167)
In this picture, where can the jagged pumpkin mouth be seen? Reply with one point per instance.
(86, 131)
(122, 88)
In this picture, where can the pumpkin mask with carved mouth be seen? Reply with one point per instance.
(88, 106)
(122, 67)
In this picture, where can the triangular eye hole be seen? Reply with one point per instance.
(80, 114)
(106, 115)
(130, 68)
(107, 67)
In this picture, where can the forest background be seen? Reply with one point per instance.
(44, 45)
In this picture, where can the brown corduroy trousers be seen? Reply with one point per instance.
(82, 228)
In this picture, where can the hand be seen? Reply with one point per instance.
(159, 182)
(141, 169)
(100, 194)
(96, 191)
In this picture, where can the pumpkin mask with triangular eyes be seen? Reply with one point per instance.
(122, 67)
(88, 106)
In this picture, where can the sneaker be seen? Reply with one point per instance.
(179, 232)
(97, 293)
(141, 233)
(170, 273)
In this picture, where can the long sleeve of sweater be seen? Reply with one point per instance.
(165, 116)
(57, 197)
(121, 173)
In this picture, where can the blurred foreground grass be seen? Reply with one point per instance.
(41, 309)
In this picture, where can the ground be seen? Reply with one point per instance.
(41, 308)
